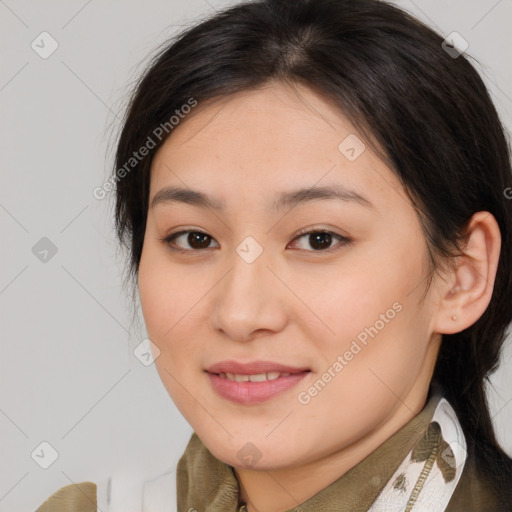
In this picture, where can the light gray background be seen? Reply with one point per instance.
(67, 373)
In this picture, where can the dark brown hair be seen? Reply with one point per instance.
(426, 112)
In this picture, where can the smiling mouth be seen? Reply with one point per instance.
(252, 389)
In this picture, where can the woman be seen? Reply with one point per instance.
(313, 196)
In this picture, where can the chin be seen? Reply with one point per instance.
(244, 454)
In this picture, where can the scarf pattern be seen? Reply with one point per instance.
(429, 474)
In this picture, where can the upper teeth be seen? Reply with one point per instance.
(253, 378)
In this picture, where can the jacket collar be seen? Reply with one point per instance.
(431, 446)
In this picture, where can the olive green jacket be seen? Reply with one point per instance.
(206, 484)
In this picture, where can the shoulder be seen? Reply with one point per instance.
(486, 482)
(80, 497)
(124, 491)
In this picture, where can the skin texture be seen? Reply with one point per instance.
(296, 305)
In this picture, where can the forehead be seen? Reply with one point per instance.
(267, 115)
(263, 141)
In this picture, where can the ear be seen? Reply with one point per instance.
(467, 291)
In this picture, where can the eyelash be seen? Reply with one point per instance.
(307, 231)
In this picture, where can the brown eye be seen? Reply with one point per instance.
(197, 240)
(321, 241)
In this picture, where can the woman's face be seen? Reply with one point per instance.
(347, 307)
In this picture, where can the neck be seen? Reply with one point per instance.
(282, 489)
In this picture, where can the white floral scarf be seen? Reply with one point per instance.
(429, 474)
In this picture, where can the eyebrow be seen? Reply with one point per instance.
(285, 199)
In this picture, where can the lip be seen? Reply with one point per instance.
(249, 393)
(253, 367)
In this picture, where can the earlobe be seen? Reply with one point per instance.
(467, 292)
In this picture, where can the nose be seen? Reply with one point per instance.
(249, 301)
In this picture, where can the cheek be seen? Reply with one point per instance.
(170, 300)
(151, 292)
(166, 294)
(346, 300)
(373, 301)
(167, 298)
